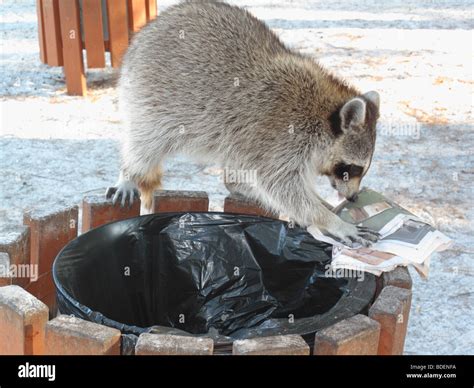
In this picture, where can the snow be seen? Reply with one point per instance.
(11, 233)
(54, 148)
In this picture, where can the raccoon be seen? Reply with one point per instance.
(211, 81)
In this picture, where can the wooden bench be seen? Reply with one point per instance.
(67, 27)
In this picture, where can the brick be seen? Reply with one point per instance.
(97, 211)
(236, 203)
(51, 230)
(291, 345)
(180, 201)
(391, 309)
(399, 277)
(170, 345)
(15, 241)
(69, 335)
(22, 322)
(43, 289)
(358, 335)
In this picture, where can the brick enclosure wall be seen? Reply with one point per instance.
(30, 324)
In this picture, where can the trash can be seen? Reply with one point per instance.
(225, 276)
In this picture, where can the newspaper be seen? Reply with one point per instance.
(404, 238)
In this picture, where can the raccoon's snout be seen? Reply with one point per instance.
(353, 197)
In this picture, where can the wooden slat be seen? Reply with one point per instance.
(93, 33)
(118, 30)
(72, 47)
(42, 44)
(136, 14)
(150, 9)
(52, 32)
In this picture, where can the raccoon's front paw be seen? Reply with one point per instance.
(124, 191)
(350, 235)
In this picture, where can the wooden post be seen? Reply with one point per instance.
(136, 14)
(151, 10)
(42, 44)
(72, 47)
(118, 30)
(93, 33)
(236, 203)
(97, 211)
(52, 32)
(278, 345)
(180, 201)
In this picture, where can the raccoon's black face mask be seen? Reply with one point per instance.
(354, 148)
(346, 179)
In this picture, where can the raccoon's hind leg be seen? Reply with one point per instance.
(247, 190)
(238, 188)
(240, 181)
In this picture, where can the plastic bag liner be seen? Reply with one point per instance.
(220, 275)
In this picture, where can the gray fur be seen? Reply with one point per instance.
(211, 81)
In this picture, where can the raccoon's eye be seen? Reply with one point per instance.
(356, 171)
(341, 171)
(347, 171)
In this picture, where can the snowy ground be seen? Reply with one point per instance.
(417, 54)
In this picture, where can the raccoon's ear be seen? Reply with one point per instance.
(352, 114)
(373, 97)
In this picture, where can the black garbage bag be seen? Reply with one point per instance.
(221, 275)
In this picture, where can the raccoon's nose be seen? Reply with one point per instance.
(353, 198)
